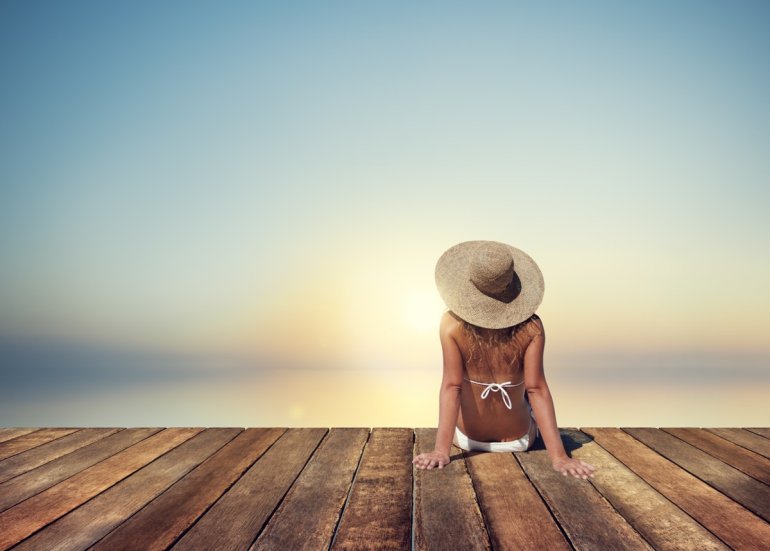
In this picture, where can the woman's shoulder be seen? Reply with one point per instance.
(532, 326)
(450, 319)
(535, 325)
(451, 323)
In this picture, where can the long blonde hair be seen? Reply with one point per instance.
(501, 346)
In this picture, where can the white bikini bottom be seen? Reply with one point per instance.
(520, 445)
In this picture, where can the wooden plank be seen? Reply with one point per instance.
(164, 520)
(745, 438)
(729, 521)
(93, 520)
(446, 513)
(515, 515)
(380, 505)
(660, 522)
(236, 519)
(35, 481)
(309, 513)
(589, 521)
(762, 431)
(739, 457)
(28, 460)
(32, 440)
(750, 493)
(30, 515)
(8, 433)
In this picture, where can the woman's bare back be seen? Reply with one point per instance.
(489, 419)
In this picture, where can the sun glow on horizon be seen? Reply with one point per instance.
(266, 190)
(422, 310)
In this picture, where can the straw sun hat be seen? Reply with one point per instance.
(489, 284)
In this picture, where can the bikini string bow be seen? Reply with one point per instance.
(494, 387)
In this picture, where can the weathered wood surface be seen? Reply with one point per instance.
(516, 515)
(762, 431)
(658, 520)
(163, 520)
(31, 440)
(380, 504)
(726, 519)
(28, 460)
(93, 520)
(7, 434)
(748, 439)
(34, 513)
(446, 512)
(237, 518)
(751, 493)
(36, 480)
(349, 488)
(739, 457)
(308, 515)
(588, 519)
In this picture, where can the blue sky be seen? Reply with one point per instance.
(271, 184)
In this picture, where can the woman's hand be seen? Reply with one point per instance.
(576, 467)
(431, 459)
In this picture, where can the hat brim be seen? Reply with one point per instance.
(464, 299)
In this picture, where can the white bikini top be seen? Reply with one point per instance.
(494, 387)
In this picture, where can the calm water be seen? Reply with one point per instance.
(305, 397)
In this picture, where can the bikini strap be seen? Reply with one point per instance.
(494, 387)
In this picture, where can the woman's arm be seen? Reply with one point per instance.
(542, 405)
(449, 399)
(540, 396)
(451, 384)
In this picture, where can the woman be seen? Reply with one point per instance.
(492, 344)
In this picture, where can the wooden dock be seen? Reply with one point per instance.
(352, 488)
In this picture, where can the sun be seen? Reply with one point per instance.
(422, 310)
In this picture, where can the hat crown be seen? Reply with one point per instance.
(468, 274)
(491, 269)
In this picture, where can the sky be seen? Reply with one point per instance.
(230, 213)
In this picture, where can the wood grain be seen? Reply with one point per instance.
(32, 440)
(515, 514)
(236, 519)
(751, 493)
(660, 522)
(113, 489)
(166, 518)
(446, 513)
(30, 515)
(28, 460)
(36, 480)
(589, 520)
(379, 510)
(749, 440)
(88, 523)
(9, 433)
(729, 521)
(762, 431)
(308, 515)
(749, 462)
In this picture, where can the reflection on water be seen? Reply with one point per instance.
(46, 383)
(297, 397)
